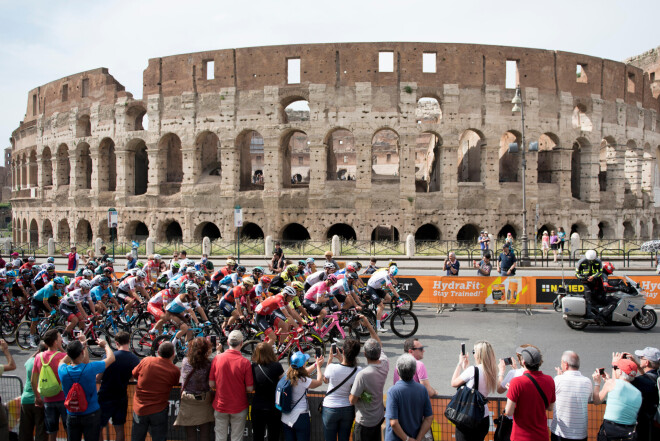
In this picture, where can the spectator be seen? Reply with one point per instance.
(484, 243)
(372, 266)
(367, 390)
(73, 259)
(506, 263)
(195, 411)
(31, 426)
(266, 372)
(554, 244)
(646, 383)
(484, 361)
(484, 267)
(413, 347)
(174, 259)
(409, 414)
(113, 397)
(545, 244)
(452, 266)
(130, 261)
(83, 372)
(505, 381)
(562, 239)
(104, 255)
(2, 262)
(54, 409)
(297, 424)
(509, 239)
(231, 377)
(10, 366)
(524, 404)
(338, 412)
(155, 376)
(623, 400)
(328, 258)
(276, 264)
(573, 392)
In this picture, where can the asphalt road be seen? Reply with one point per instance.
(442, 335)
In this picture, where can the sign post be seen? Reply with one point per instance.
(113, 221)
(238, 223)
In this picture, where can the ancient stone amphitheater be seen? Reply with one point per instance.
(366, 141)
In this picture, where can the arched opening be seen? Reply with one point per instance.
(63, 166)
(580, 229)
(549, 165)
(207, 229)
(135, 118)
(295, 160)
(385, 156)
(344, 231)
(250, 145)
(470, 144)
(631, 169)
(295, 233)
(48, 230)
(63, 232)
(24, 232)
(83, 126)
(428, 162)
(84, 167)
(546, 227)
(385, 232)
(251, 231)
(84, 233)
(170, 146)
(107, 166)
(104, 231)
(137, 231)
(207, 157)
(505, 230)
(468, 234)
(628, 230)
(428, 111)
(580, 119)
(295, 111)
(428, 232)
(34, 233)
(606, 160)
(510, 162)
(606, 230)
(47, 168)
(137, 175)
(33, 169)
(341, 156)
(580, 176)
(173, 232)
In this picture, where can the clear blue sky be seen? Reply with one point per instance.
(41, 41)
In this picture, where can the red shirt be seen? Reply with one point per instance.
(155, 377)
(271, 304)
(54, 362)
(530, 421)
(232, 373)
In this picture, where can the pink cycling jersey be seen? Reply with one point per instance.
(316, 291)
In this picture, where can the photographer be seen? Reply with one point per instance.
(484, 267)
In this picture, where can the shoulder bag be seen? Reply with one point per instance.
(320, 408)
(466, 408)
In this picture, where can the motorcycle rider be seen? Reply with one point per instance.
(589, 271)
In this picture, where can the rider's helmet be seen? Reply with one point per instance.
(157, 257)
(332, 279)
(67, 280)
(357, 265)
(352, 276)
(328, 265)
(231, 262)
(50, 260)
(241, 269)
(109, 261)
(265, 279)
(394, 270)
(350, 268)
(293, 268)
(26, 272)
(50, 268)
(13, 274)
(192, 288)
(608, 267)
(176, 266)
(298, 286)
(104, 281)
(139, 265)
(190, 270)
(309, 261)
(141, 275)
(108, 269)
(301, 263)
(199, 274)
(92, 263)
(56, 280)
(257, 271)
(31, 259)
(87, 273)
(248, 281)
(174, 284)
(289, 291)
(85, 284)
(590, 255)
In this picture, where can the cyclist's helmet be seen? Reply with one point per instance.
(240, 269)
(85, 284)
(292, 268)
(199, 274)
(174, 284)
(309, 261)
(31, 259)
(608, 267)
(108, 269)
(352, 276)
(104, 281)
(265, 279)
(110, 260)
(50, 267)
(301, 263)
(298, 286)
(92, 263)
(394, 270)
(248, 281)
(12, 274)
(350, 268)
(157, 257)
(26, 272)
(139, 265)
(289, 291)
(141, 275)
(190, 270)
(57, 281)
(176, 265)
(67, 280)
(591, 255)
(357, 265)
(87, 273)
(192, 288)
(231, 262)
(51, 260)
(328, 265)
(257, 271)
(332, 279)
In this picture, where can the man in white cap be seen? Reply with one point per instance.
(648, 362)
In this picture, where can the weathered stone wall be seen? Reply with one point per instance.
(598, 132)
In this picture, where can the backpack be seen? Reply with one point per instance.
(284, 396)
(48, 386)
(76, 399)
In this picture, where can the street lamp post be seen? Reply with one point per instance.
(519, 105)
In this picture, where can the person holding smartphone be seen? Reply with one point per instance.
(573, 391)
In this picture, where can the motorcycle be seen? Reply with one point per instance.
(629, 308)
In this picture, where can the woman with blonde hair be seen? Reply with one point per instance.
(484, 361)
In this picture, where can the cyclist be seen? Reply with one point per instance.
(44, 300)
(229, 268)
(378, 282)
(108, 273)
(44, 276)
(90, 265)
(139, 266)
(317, 296)
(202, 266)
(19, 289)
(128, 289)
(230, 303)
(233, 279)
(261, 288)
(175, 309)
(276, 312)
(257, 273)
(152, 268)
(75, 283)
(158, 302)
(8, 267)
(310, 267)
(76, 306)
(318, 276)
(29, 264)
(101, 293)
(296, 303)
(344, 292)
(108, 263)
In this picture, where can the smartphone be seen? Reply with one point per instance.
(624, 356)
(333, 348)
(318, 352)
(601, 371)
(508, 361)
(463, 348)
(214, 341)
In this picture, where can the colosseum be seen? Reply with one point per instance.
(365, 141)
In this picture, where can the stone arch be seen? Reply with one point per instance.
(606, 162)
(510, 163)
(545, 227)
(428, 110)
(580, 176)
(47, 230)
(169, 148)
(427, 232)
(294, 232)
(207, 229)
(84, 166)
(170, 231)
(63, 232)
(250, 146)
(341, 155)
(294, 109)
(344, 231)
(580, 119)
(505, 230)
(84, 233)
(24, 232)
(137, 172)
(24, 170)
(207, 157)
(549, 161)
(250, 230)
(83, 126)
(470, 144)
(34, 232)
(628, 230)
(469, 233)
(135, 116)
(107, 166)
(46, 168)
(137, 230)
(606, 230)
(385, 151)
(63, 166)
(295, 159)
(631, 169)
(579, 228)
(428, 162)
(385, 232)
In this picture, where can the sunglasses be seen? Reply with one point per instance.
(421, 348)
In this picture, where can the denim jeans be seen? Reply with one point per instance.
(88, 425)
(53, 411)
(301, 430)
(155, 424)
(337, 423)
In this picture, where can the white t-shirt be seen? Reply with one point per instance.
(302, 407)
(336, 373)
(468, 376)
(513, 373)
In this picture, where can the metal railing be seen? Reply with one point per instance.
(305, 247)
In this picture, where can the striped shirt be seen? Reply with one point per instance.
(573, 392)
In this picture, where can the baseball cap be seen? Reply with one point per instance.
(651, 354)
(530, 355)
(627, 366)
(299, 359)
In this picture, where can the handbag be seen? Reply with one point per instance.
(320, 408)
(504, 426)
(466, 408)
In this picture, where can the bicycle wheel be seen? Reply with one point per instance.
(407, 302)
(93, 348)
(22, 335)
(362, 330)
(141, 342)
(404, 323)
(248, 348)
(158, 341)
(8, 327)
